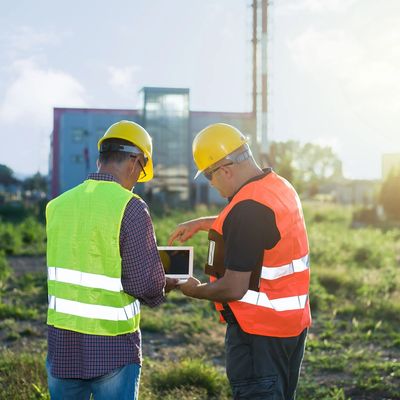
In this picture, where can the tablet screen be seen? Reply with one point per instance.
(177, 260)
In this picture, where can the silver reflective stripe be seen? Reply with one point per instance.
(211, 249)
(299, 265)
(94, 311)
(282, 304)
(66, 275)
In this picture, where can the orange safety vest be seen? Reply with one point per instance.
(276, 303)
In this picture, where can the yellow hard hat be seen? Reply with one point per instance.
(137, 135)
(214, 143)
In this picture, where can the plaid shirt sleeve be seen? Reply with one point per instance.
(142, 271)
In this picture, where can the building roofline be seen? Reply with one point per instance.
(165, 89)
(99, 110)
(248, 115)
(60, 110)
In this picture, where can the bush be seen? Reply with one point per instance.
(190, 373)
(368, 216)
(13, 211)
(27, 238)
(33, 236)
(10, 240)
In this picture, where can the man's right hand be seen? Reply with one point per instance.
(184, 231)
(187, 229)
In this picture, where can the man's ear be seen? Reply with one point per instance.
(228, 172)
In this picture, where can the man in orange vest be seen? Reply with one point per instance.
(258, 262)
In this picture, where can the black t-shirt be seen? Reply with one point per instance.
(248, 230)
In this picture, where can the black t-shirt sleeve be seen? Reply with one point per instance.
(248, 230)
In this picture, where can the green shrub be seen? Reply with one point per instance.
(368, 216)
(190, 373)
(33, 236)
(331, 213)
(13, 211)
(10, 240)
(17, 312)
(27, 237)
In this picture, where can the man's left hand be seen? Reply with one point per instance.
(189, 288)
(170, 284)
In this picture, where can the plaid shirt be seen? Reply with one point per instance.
(76, 355)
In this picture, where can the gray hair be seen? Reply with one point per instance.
(241, 154)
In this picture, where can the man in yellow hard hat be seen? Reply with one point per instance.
(103, 264)
(258, 264)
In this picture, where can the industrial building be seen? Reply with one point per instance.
(165, 113)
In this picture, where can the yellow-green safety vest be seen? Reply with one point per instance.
(84, 261)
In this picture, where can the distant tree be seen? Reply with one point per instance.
(281, 156)
(35, 182)
(307, 166)
(7, 176)
(390, 194)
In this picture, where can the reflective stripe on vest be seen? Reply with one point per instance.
(87, 279)
(93, 310)
(299, 265)
(284, 304)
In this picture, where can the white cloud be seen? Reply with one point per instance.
(123, 79)
(25, 38)
(314, 6)
(326, 52)
(35, 91)
(363, 71)
(26, 111)
(329, 141)
(25, 41)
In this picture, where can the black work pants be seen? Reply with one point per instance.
(263, 367)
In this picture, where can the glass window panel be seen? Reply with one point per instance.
(78, 135)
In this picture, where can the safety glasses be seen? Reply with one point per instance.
(141, 165)
(208, 174)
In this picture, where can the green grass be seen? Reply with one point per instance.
(353, 348)
(189, 373)
(23, 375)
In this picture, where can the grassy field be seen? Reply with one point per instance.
(353, 349)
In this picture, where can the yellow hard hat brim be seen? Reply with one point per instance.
(197, 174)
(149, 172)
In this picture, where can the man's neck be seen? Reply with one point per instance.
(108, 169)
(246, 174)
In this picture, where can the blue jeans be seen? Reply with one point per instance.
(120, 384)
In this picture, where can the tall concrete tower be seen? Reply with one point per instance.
(259, 78)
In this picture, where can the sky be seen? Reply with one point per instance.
(334, 68)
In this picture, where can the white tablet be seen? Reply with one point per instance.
(177, 261)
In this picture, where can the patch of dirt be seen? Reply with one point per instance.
(21, 265)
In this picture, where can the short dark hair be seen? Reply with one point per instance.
(118, 157)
